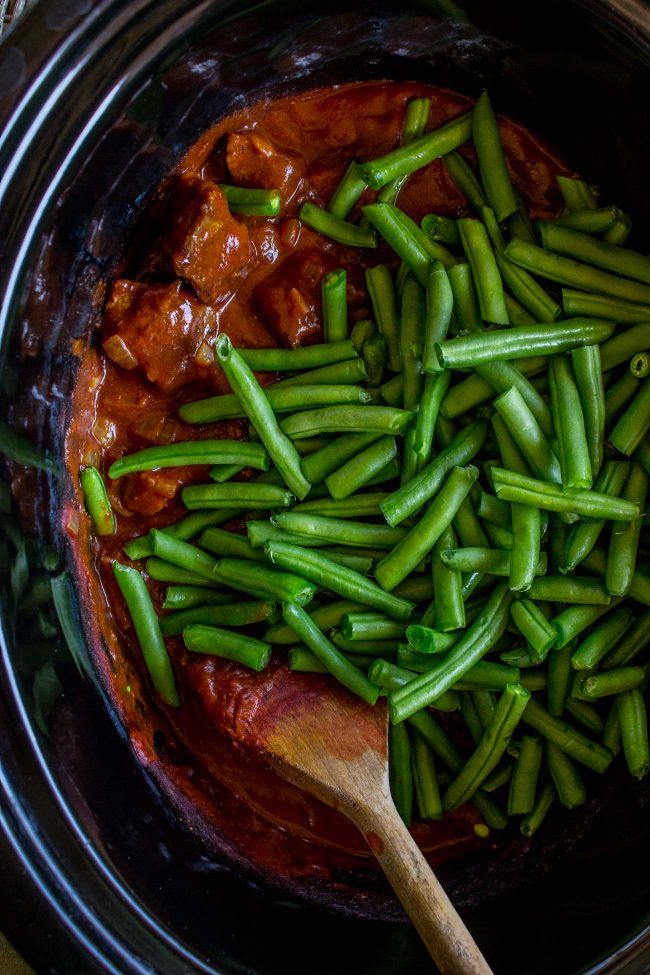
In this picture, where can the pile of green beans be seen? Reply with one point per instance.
(497, 571)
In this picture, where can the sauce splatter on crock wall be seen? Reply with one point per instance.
(195, 271)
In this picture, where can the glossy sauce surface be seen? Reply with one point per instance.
(193, 271)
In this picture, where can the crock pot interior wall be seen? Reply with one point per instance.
(546, 71)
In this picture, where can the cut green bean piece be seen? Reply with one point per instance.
(485, 273)
(383, 301)
(601, 306)
(400, 771)
(283, 399)
(613, 682)
(492, 164)
(590, 250)
(415, 122)
(466, 305)
(97, 501)
(577, 194)
(570, 589)
(589, 221)
(635, 422)
(560, 677)
(335, 306)
(418, 153)
(589, 380)
(623, 345)
(347, 419)
(336, 663)
(589, 504)
(427, 790)
(339, 531)
(147, 630)
(523, 784)
(569, 786)
(360, 469)
(187, 597)
(466, 180)
(345, 372)
(334, 454)
(631, 643)
(571, 622)
(218, 642)
(340, 230)
(348, 192)
(448, 587)
(569, 424)
(389, 223)
(633, 720)
(251, 202)
(532, 822)
(491, 748)
(497, 562)
(498, 377)
(260, 413)
(602, 638)
(566, 738)
(302, 660)
(624, 541)
(232, 614)
(534, 627)
(528, 435)
(192, 452)
(161, 571)
(322, 571)
(439, 306)
(435, 389)
(440, 228)
(250, 495)
(402, 559)
(357, 506)
(584, 535)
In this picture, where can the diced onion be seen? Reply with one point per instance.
(116, 349)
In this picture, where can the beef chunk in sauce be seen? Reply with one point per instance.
(164, 327)
(254, 161)
(205, 244)
(288, 301)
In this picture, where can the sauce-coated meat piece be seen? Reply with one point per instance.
(148, 492)
(288, 301)
(163, 326)
(254, 161)
(205, 244)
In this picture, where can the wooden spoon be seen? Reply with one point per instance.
(336, 747)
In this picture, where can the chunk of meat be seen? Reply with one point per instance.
(148, 492)
(255, 161)
(205, 244)
(163, 327)
(288, 301)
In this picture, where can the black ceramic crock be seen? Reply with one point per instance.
(98, 99)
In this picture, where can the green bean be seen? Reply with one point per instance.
(493, 561)
(619, 395)
(483, 633)
(501, 775)
(374, 356)
(184, 556)
(569, 786)
(218, 642)
(622, 346)
(589, 221)
(427, 791)
(601, 640)
(620, 229)
(435, 388)
(258, 410)
(630, 645)
(304, 661)
(335, 307)
(492, 164)
(400, 771)
(439, 306)
(570, 589)
(484, 675)
(566, 738)
(566, 271)
(441, 228)
(560, 676)
(527, 434)
(589, 381)
(339, 531)
(147, 630)
(294, 360)
(634, 732)
(192, 452)
(586, 714)
(283, 399)
(347, 419)
(520, 341)
(388, 222)
(500, 538)
(424, 639)
(336, 663)
(390, 676)
(334, 454)
(332, 226)
(415, 121)
(491, 748)
(589, 504)
(523, 784)
(252, 496)
(470, 717)
(531, 823)
(639, 589)
(264, 581)
(357, 471)
(466, 180)
(371, 626)
(485, 704)
(498, 377)
(403, 558)
(356, 506)
(485, 273)
(392, 391)
(251, 202)
(260, 532)
(447, 584)
(224, 472)
(381, 292)
(584, 535)
(322, 571)
(219, 542)
(232, 614)
(22, 451)
(534, 627)
(570, 622)
(600, 306)
(360, 562)
(97, 501)
(346, 372)
(613, 682)
(517, 314)
(569, 424)
(640, 365)
(491, 509)
(624, 541)
(324, 617)
(347, 192)
(591, 250)
(466, 306)
(187, 597)
(161, 571)
(418, 153)
(577, 194)
(632, 427)
(409, 498)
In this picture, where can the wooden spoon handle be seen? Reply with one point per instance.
(447, 939)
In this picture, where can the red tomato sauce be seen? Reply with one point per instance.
(193, 271)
